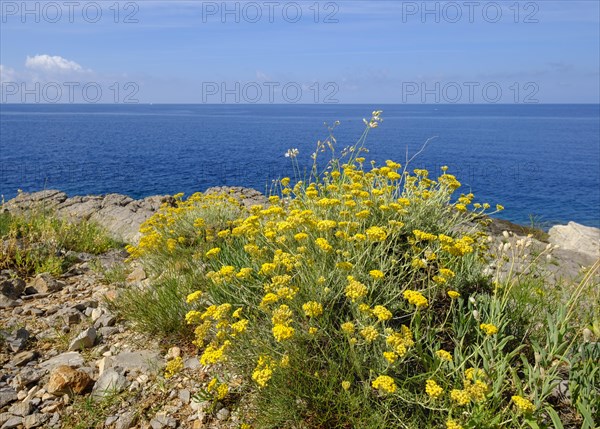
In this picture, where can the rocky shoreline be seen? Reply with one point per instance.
(60, 341)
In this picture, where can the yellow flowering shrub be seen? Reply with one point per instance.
(351, 278)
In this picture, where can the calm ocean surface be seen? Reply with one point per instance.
(540, 160)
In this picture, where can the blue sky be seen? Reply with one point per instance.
(357, 51)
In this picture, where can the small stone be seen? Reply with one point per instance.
(184, 395)
(21, 409)
(111, 295)
(96, 313)
(142, 378)
(126, 420)
(35, 420)
(21, 395)
(12, 288)
(84, 340)
(54, 420)
(138, 274)
(105, 321)
(22, 358)
(18, 341)
(31, 393)
(51, 408)
(71, 316)
(4, 417)
(107, 331)
(7, 302)
(65, 379)
(12, 423)
(7, 395)
(109, 382)
(162, 420)
(223, 414)
(191, 363)
(26, 377)
(174, 352)
(45, 283)
(142, 361)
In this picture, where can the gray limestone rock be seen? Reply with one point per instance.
(111, 381)
(85, 340)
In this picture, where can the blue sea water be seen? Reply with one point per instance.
(536, 160)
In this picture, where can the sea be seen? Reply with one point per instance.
(541, 162)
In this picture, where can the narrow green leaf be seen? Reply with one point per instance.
(588, 420)
(555, 418)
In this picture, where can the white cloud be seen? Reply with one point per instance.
(7, 74)
(47, 63)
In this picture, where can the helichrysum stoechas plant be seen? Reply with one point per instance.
(354, 299)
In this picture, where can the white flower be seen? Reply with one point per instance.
(292, 153)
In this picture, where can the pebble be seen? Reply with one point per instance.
(85, 339)
(223, 414)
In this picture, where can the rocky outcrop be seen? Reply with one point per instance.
(119, 214)
(578, 238)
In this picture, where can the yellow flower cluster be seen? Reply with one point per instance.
(220, 390)
(453, 294)
(355, 289)
(401, 341)
(282, 318)
(382, 313)
(385, 384)
(523, 405)
(263, 371)
(474, 388)
(415, 298)
(489, 329)
(376, 233)
(376, 274)
(194, 296)
(444, 355)
(433, 389)
(453, 424)
(369, 334)
(174, 366)
(312, 309)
